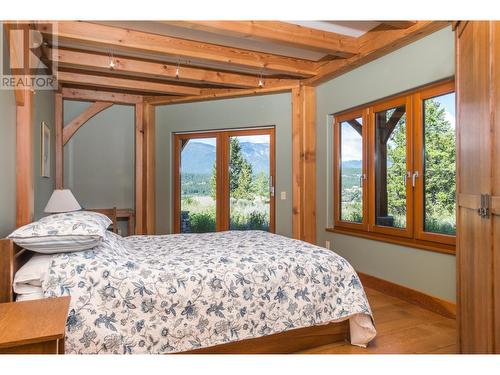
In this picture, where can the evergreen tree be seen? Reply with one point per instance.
(213, 181)
(245, 186)
(440, 186)
(240, 173)
(261, 184)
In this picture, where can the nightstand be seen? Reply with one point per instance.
(33, 327)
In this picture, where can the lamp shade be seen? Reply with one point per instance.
(62, 200)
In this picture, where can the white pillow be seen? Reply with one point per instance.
(65, 232)
(32, 274)
(30, 296)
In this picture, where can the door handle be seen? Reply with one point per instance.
(271, 186)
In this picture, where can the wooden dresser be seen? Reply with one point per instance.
(33, 327)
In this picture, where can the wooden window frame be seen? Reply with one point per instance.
(385, 105)
(418, 100)
(414, 234)
(222, 199)
(363, 114)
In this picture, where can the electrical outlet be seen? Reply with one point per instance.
(283, 195)
(327, 244)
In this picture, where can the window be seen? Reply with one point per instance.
(394, 167)
(350, 158)
(224, 180)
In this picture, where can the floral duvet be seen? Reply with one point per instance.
(162, 294)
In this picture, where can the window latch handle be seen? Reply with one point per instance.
(406, 176)
(361, 178)
(414, 178)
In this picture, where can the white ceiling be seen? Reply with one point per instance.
(350, 28)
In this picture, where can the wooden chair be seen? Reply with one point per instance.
(109, 212)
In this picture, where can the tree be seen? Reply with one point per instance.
(213, 181)
(439, 160)
(261, 184)
(396, 170)
(240, 173)
(244, 189)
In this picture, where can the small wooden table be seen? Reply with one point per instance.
(33, 327)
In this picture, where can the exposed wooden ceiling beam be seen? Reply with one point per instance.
(281, 33)
(124, 84)
(99, 62)
(69, 93)
(399, 24)
(220, 94)
(121, 39)
(374, 44)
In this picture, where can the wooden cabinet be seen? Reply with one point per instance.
(33, 327)
(478, 186)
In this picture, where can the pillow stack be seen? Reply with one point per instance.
(65, 232)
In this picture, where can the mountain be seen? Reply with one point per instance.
(257, 154)
(199, 157)
(351, 164)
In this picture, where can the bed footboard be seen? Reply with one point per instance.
(286, 342)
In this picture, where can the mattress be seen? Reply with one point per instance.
(166, 294)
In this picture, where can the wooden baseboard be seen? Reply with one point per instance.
(434, 304)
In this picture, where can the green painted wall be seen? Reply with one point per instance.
(225, 114)
(424, 61)
(7, 157)
(43, 110)
(99, 158)
(7, 162)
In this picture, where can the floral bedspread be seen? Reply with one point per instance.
(160, 294)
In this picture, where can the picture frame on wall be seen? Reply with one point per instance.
(45, 150)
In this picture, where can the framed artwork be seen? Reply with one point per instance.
(45, 150)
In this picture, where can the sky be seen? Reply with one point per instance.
(351, 140)
(247, 138)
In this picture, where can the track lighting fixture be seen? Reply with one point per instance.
(261, 81)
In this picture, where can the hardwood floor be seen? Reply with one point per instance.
(402, 328)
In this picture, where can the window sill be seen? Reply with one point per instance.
(410, 242)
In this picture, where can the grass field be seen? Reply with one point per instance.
(245, 214)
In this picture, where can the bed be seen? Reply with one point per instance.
(225, 292)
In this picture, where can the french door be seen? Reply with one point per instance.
(224, 180)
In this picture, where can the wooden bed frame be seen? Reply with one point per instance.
(12, 258)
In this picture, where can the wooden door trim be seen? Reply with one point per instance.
(222, 162)
(272, 168)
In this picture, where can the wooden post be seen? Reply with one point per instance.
(139, 168)
(381, 165)
(150, 168)
(24, 160)
(304, 163)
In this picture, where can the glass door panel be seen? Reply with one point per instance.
(198, 185)
(250, 182)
